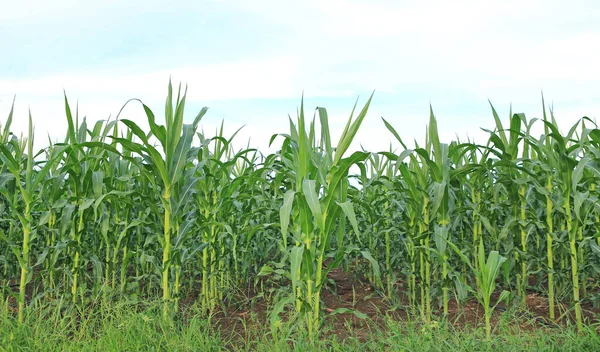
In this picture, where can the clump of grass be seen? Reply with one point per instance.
(134, 326)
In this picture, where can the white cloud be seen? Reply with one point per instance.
(258, 79)
(505, 51)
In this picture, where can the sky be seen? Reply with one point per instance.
(250, 62)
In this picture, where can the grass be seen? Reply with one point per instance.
(134, 326)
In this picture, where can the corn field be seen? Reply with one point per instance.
(174, 213)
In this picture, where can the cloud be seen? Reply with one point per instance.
(246, 79)
(251, 61)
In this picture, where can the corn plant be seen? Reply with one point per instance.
(20, 164)
(166, 170)
(215, 189)
(485, 278)
(316, 204)
(375, 211)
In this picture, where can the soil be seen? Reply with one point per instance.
(356, 294)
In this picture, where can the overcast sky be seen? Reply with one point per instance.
(250, 61)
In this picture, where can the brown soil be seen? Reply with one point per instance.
(346, 293)
(358, 295)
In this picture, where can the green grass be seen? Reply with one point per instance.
(131, 326)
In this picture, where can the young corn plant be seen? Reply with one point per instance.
(441, 174)
(6, 186)
(20, 164)
(165, 169)
(570, 172)
(215, 189)
(485, 278)
(315, 205)
(548, 161)
(376, 211)
(84, 161)
(417, 176)
(507, 150)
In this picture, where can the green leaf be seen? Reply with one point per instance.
(265, 271)
(284, 214)
(356, 313)
(350, 132)
(374, 265)
(296, 255)
(348, 209)
(312, 199)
